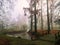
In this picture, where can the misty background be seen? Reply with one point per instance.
(12, 16)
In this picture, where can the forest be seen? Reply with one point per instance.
(29, 22)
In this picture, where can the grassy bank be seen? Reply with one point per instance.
(19, 41)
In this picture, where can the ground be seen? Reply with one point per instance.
(45, 40)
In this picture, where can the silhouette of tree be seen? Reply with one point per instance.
(48, 18)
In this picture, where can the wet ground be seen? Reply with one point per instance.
(48, 39)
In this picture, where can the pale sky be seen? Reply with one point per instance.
(18, 10)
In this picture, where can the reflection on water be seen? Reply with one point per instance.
(24, 35)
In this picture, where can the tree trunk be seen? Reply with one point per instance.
(35, 17)
(52, 14)
(41, 17)
(48, 18)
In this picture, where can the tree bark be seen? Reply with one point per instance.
(41, 17)
(48, 18)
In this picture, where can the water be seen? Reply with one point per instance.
(24, 35)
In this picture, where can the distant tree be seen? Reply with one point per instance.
(6, 6)
(57, 13)
(24, 27)
(57, 21)
(56, 9)
(41, 17)
(52, 13)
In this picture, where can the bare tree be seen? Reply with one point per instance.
(41, 17)
(33, 14)
(51, 12)
(48, 18)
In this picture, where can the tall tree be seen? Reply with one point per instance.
(33, 14)
(48, 18)
(41, 17)
(52, 11)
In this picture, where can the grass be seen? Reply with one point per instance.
(19, 41)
